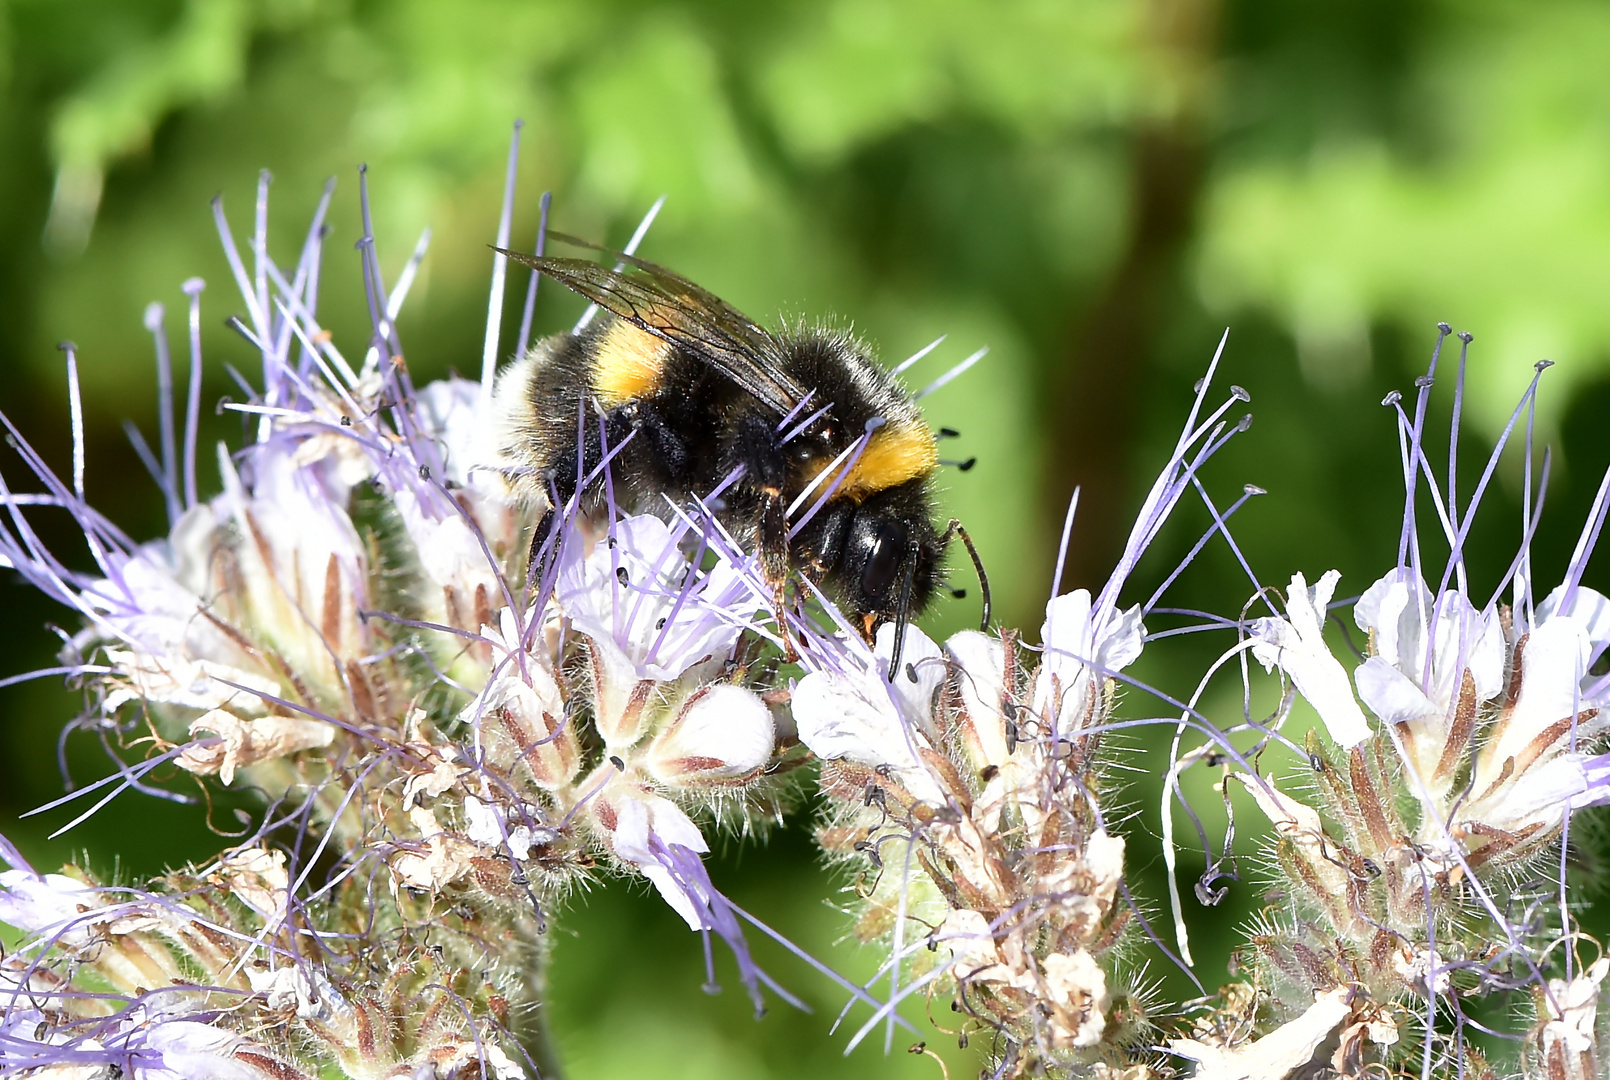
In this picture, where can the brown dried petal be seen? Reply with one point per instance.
(246, 742)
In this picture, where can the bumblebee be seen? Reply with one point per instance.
(833, 459)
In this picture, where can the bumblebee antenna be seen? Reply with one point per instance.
(902, 615)
(955, 529)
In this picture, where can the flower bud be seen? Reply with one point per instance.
(620, 698)
(1568, 1036)
(723, 734)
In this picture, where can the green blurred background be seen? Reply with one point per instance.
(1094, 189)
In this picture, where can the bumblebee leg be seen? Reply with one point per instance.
(955, 529)
(774, 563)
(902, 617)
(536, 566)
(757, 448)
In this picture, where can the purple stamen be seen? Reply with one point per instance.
(1062, 546)
(614, 519)
(380, 351)
(796, 410)
(1523, 576)
(315, 339)
(192, 415)
(1220, 525)
(1585, 545)
(1465, 339)
(959, 369)
(236, 266)
(1416, 430)
(630, 249)
(500, 268)
(691, 583)
(853, 452)
(536, 278)
(904, 365)
(312, 351)
(127, 776)
(169, 482)
(1457, 554)
(1171, 484)
(306, 282)
(805, 424)
(271, 361)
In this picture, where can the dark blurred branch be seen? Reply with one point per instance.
(1092, 416)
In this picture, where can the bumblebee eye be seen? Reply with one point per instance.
(887, 546)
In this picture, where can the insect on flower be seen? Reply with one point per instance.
(807, 449)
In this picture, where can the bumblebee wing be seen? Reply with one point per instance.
(677, 311)
(674, 284)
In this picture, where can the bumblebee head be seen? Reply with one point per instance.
(880, 555)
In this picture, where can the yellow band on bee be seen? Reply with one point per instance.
(627, 363)
(894, 455)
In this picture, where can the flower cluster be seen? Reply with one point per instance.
(443, 721)
(969, 785)
(441, 747)
(1457, 749)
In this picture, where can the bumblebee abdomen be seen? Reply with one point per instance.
(575, 397)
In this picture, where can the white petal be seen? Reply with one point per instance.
(1306, 607)
(633, 595)
(1486, 662)
(1596, 781)
(1465, 639)
(725, 731)
(1590, 608)
(1380, 610)
(1552, 665)
(47, 905)
(1537, 796)
(450, 411)
(449, 552)
(981, 661)
(1398, 613)
(189, 1049)
(1297, 645)
(839, 718)
(1066, 636)
(528, 721)
(482, 823)
(1278, 1054)
(640, 816)
(920, 657)
(1120, 640)
(1082, 646)
(1390, 694)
